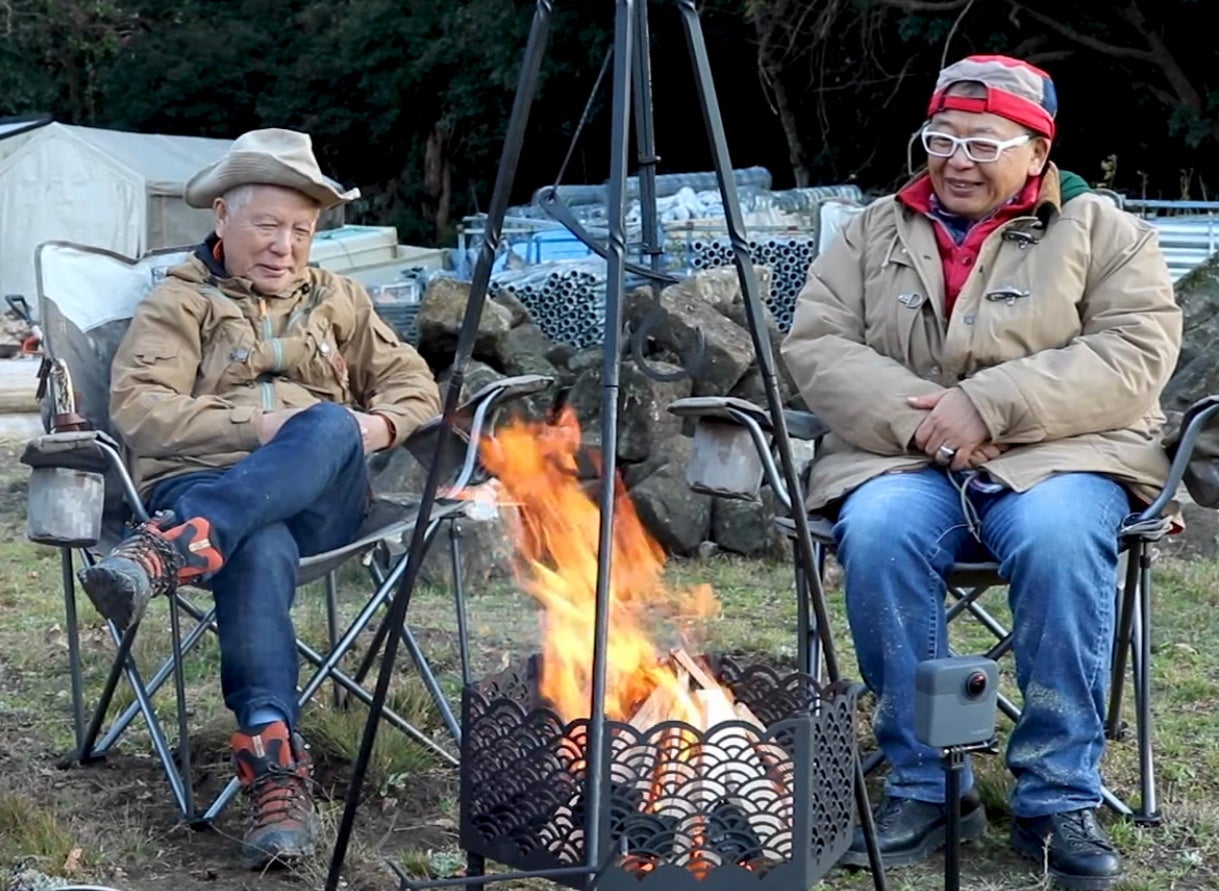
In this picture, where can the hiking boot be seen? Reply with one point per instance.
(1076, 851)
(152, 561)
(275, 772)
(908, 831)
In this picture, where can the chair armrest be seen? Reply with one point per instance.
(508, 388)
(1192, 440)
(89, 450)
(800, 424)
(473, 419)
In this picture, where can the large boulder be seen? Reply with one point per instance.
(752, 388)
(477, 375)
(1197, 372)
(747, 527)
(721, 287)
(676, 516)
(644, 421)
(485, 547)
(524, 350)
(440, 316)
(485, 551)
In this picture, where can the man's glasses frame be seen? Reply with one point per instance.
(979, 149)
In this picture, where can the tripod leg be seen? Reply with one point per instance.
(755, 312)
(868, 824)
(766, 364)
(645, 138)
(509, 160)
(597, 785)
(954, 766)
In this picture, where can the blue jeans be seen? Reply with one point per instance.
(303, 493)
(1057, 547)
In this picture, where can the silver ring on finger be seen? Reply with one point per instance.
(945, 454)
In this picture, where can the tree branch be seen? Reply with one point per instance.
(1086, 40)
(932, 6)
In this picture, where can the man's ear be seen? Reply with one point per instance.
(1041, 156)
(221, 211)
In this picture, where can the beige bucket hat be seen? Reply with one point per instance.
(273, 157)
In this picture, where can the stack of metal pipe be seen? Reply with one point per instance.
(566, 300)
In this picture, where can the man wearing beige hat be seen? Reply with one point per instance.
(988, 347)
(248, 389)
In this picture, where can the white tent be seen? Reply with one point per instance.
(106, 188)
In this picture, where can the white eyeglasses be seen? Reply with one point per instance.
(978, 149)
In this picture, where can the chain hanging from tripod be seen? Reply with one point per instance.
(636, 337)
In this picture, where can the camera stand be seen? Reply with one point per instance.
(953, 761)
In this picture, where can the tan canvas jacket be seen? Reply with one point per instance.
(1063, 337)
(204, 356)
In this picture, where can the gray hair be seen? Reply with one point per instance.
(238, 197)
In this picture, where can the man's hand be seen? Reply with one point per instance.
(268, 424)
(374, 430)
(953, 423)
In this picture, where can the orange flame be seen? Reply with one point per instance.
(557, 527)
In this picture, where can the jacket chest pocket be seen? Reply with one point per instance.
(899, 317)
(225, 363)
(324, 369)
(1017, 317)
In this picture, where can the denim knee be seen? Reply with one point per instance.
(332, 422)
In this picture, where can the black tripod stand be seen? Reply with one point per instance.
(631, 91)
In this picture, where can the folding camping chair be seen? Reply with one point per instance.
(733, 454)
(81, 497)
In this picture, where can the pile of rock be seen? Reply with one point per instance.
(704, 312)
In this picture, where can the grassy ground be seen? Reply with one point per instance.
(114, 822)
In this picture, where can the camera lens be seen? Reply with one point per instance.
(975, 685)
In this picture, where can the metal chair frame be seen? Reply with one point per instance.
(968, 582)
(388, 522)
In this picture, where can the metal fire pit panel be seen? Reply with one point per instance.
(721, 824)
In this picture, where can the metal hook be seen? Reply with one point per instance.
(557, 209)
(693, 361)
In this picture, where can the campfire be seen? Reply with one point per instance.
(700, 776)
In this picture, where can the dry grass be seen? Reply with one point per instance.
(119, 816)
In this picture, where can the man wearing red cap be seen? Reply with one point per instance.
(988, 346)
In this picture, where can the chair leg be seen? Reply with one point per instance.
(124, 643)
(1123, 641)
(74, 667)
(123, 721)
(1149, 807)
(421, 664)
(124, 664)
(332, 623)
(187, 802)
(429, 680)
(349, 684)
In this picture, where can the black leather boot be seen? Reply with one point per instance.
(909, 831)
(1078, 853)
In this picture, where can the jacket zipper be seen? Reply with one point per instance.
(268, 389)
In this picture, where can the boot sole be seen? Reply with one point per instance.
(265, 859)
(1062, 880)
(115, 595)
(973, 826)
(282, 855)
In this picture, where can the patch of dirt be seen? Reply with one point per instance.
(121, 811)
